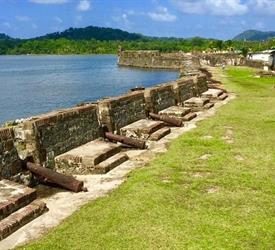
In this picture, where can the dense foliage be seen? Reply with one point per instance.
(96, 40)
(66, 46)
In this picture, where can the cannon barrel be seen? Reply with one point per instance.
(168, 119)
(48, 175)
(126, 140)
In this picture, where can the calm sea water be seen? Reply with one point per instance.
(31, 85)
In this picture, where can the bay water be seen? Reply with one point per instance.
(31, 85)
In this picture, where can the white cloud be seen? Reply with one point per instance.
(49, 1)
(58, 19)
(212, 7)
(84, 5)
(22, 18)
(162, 15)
(263, 6)
(123, 19)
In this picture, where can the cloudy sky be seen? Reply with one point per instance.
(221, 19)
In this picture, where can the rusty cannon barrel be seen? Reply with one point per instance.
(168, 119)
(48, 175)
(126, 140)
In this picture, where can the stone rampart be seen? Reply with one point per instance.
(9, 159)
(160, 97)
(157, 60)
(49, 135)
(44, 137)
(120, 111)
(201, 84)
(218, 59)
(184, 88)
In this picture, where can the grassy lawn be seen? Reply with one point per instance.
(224, 200)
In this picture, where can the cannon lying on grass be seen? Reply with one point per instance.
(47, 175)
(173, 121)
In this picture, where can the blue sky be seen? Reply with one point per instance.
(221, 19)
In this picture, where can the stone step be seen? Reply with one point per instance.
(112, 162)
(83, 159)
(21, 217)
(223, 96)
(189, 117)
(177, 111)
(14, 196)
(141, 129)
(212, 93)
(208, 105)
(196, 103)
(160, 133)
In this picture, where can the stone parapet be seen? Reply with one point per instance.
(46, 136)
(120, 111)
(9, 159)
(159, 98)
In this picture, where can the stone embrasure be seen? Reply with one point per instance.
(180, 112)
(177, 111)
(223, 96)
(196, 103)
(141, 129)
(14, 196)
(110, 163)
(21, 217)
(160, 134)
(17, 207)
(83, 159)
(212, 94)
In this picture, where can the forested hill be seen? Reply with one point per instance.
(5, 37)
(96, 40)
(92, 32)
(255, 35)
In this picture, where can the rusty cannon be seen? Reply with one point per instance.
(126, 140)
(167, 119)
(50, 176)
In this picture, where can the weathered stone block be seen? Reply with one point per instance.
(83, 159)
(212, 94)
(141, 129)
(52, 134)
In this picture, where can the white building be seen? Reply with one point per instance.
(267, 56)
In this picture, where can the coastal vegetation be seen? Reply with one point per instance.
(63, 46)
(96, 40)
(185, 200)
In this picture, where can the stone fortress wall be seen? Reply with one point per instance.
(44, 137)
(218, 59)
(154, 59)
(177, 60)
(9, 158)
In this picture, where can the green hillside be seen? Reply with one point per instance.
(92, 32)
(255, 35)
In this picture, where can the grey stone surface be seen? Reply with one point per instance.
(83, 159)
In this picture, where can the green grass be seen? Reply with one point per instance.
(166, 205)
